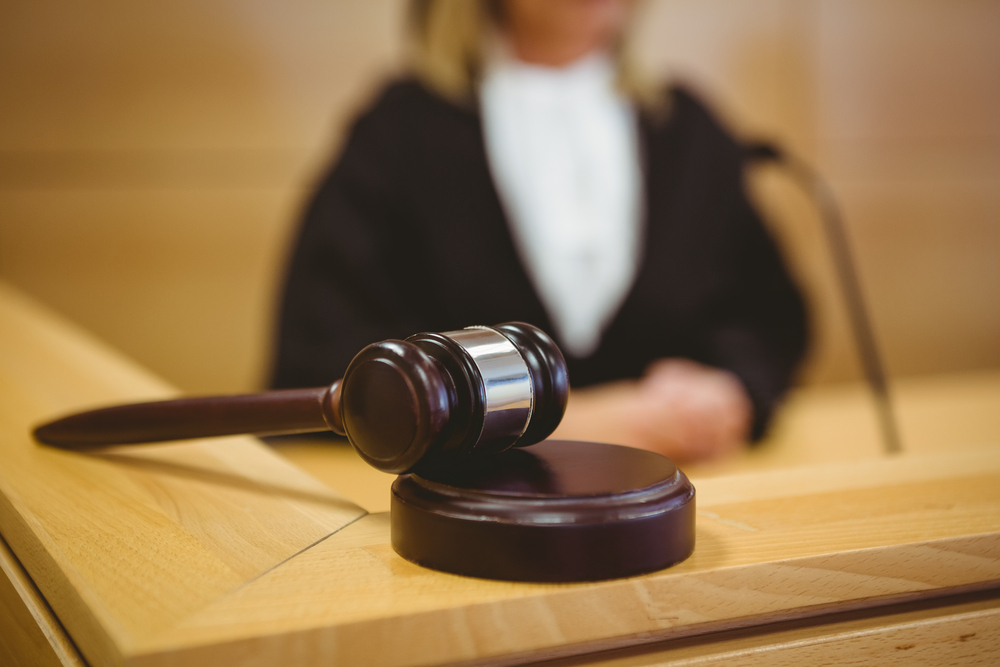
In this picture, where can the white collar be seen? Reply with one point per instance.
(563, 149)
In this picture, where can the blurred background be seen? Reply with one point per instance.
(154, 159)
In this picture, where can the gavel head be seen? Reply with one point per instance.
(439, 398)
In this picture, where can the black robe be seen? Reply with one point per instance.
(407, 234)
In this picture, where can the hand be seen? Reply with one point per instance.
(681, 409)
(689, 411)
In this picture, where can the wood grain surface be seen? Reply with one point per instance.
(953, 631)
(800, 543)
(126, 542)
(220, 552)
(30, 634)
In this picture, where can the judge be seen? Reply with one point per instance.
(523, 171)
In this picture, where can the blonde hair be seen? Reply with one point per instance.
(448, 41)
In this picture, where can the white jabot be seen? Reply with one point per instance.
(563, 149)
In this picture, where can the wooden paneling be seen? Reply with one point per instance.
(187, 75)
(896, 102)
(183, 276)
(154, 159)
(908, 112)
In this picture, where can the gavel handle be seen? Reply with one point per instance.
(269, 413)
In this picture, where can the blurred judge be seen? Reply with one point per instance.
(523, 171)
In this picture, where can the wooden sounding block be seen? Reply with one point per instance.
(556, 511)
(221, 552)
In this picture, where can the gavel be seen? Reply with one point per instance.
(433, 399)
(449, 407)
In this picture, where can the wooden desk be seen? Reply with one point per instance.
(223, 552)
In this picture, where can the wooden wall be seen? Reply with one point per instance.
(154, 158)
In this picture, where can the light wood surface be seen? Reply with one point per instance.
(963, 632)
(219, 552)
(770, 547)
(127, 542)
(30, 634)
